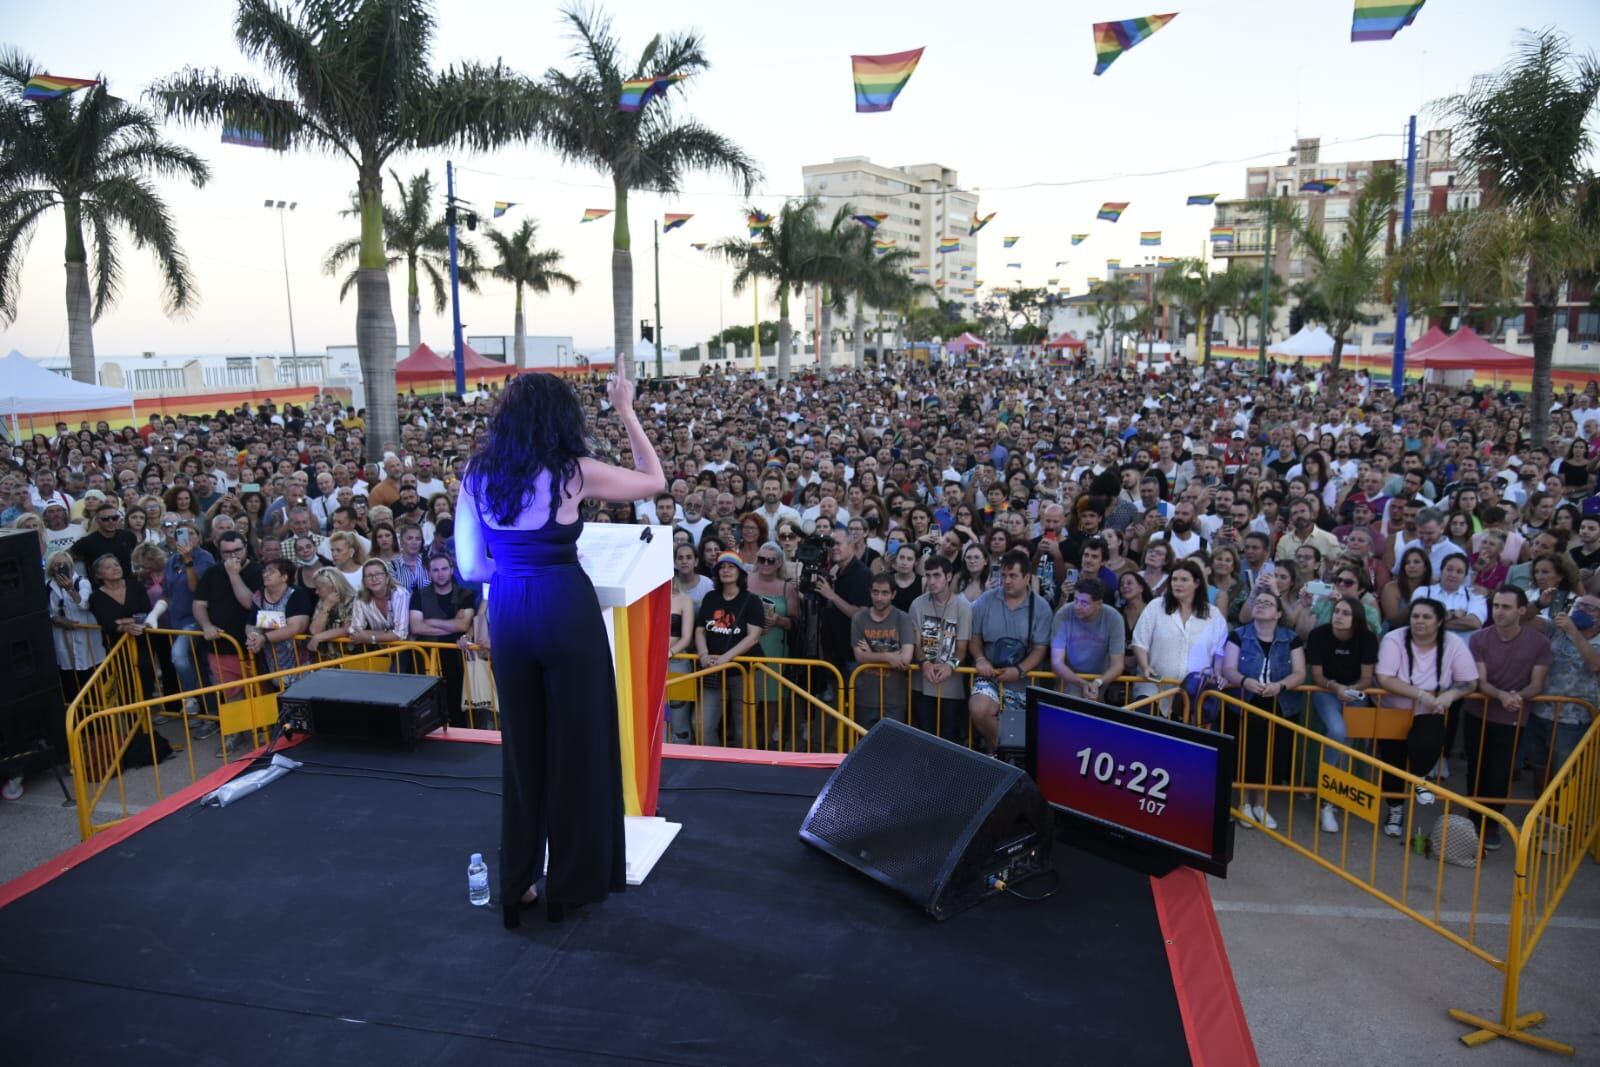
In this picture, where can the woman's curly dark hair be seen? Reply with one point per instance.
(538, 426)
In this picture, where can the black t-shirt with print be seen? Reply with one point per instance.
(727, 622)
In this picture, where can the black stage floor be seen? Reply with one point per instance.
(325, 920)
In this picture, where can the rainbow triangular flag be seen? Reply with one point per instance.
(879, 79)
(637, 92)
(949, 244)
(871, 219)
(1149, 238)
(592, 213)
(758, 220)
(672, 221)
(1112, 210)
(977, 223)
(1201, 199)
(1079, 238)
(1111, 39)
(1009, 241)
(502, 206)
(1380, 20)
(51, 86)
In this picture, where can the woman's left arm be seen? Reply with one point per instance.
(472, 554)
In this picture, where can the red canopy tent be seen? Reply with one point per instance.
(477, 362)
(1066, 340)
(1426, 341)
(1466, 356)
(424, 365)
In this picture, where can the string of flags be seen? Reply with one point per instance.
(871, 220)
(673, 221)
(53, 87)
(1380, 20)
(698, 246)
(758, 221)
(1111, 210)
(879, 79)
(977, 223)
(1319, 185)
(1149, 238)
(1222, 235)
(592, 213)
(1079, 238)
(1112, 39)
(1009, 241)
(881, 247)
(637, 92)
(502, 206)
(949, 244)
(1201, 199)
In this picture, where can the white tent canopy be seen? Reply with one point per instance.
(1310, 341)
(26, 388)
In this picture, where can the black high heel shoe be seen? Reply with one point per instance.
(511, 914)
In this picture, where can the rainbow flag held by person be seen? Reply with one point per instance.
(879, 79)
(949, 244)
(503, 206)
(592, 213)
(1112, 210)
(1113, 264)
(637, 92)
(758, 221)
(919, 270)
(1380, 20)
(1222, 235)
(672, 221)
(53, 87)
(871, 219)
(698, 246)
(1009, 241)
(977, 223)
(1079, 238)
(1319, 185)
(1149, 238)
(1201, 200)
(1111, 39)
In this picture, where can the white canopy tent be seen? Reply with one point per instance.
(1310, 341)
(29, 389)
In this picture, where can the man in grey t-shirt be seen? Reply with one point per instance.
(1088, 647)
(1005, 645)
(942, 621)
(881, 636)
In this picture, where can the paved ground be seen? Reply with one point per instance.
(1327, 974)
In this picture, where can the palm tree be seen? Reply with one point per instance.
(645, 149)
(1243, 285)
(1190, 284)
(790, 254)
(358, 85)
(93, 156)
(856, 275)
(1345, 274)
(883, 284)
(1110, 298)
(416, 240)
(1525, 130)
(527, 266)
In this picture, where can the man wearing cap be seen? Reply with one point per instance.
(59, 534)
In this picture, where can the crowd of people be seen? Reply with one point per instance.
(1306, 544)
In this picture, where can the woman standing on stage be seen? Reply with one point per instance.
(516, 526)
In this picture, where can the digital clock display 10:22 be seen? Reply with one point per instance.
(1147, 782)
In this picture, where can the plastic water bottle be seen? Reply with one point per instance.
(478, 881)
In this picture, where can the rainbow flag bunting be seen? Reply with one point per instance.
(919, 270)
(1062, 262)
(977, 223)
(1112, 210)
(1166, 261)
(251, 132)
(672, 221)
(1201, 200)
(879, 79)
(503, 206)
(1319, 185)
(1052, 281)
(949, 244)
(1000, 290)
(1009, 241)
(592, 213)
(1380, 20)
(758, 220)
(637, 92)
(1079, 238)
(939, 284)
(698, 246)
(969, 292)
(1094, 279)
(1111, 39)
(52, 87)
(966, 268)
(1113, 264)
(1222, 235)
(1149, 238)
(872, 219)
(883, 246)
(978, 284)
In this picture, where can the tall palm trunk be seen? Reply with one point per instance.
(519, 328)
(825, 339)
(80, 305)
(785, 335)
(858, 335)
(375, 333)
(1544, 349)
(621, 277)
(413, 308)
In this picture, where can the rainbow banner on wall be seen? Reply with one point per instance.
(637, 92)
(758, 221)
(592, 213)
(1112, 210)
(1201, 199)
(53, 87)
(978, 224)
(1149, 238)
(1319, 185)
(1079, 238)
(879, 79)
(1009, 241)
(1380, 20)
(872, 219)
(1222, 235)
(672, 221)
(1111, 39)
(949, 244)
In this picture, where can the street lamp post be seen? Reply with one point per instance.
(283, 207)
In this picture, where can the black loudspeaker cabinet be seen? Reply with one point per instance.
(32, 724)
(22, 590)
(27, 655)
(934, 821)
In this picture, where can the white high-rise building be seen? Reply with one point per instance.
(924, 202)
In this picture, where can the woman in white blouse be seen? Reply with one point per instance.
(1178, 634)
(1465, 610)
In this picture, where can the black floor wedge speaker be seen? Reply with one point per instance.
(934, 821)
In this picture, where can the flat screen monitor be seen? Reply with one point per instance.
(1145, 784)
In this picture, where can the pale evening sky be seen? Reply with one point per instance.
(1004, 95)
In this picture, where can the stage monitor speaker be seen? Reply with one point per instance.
(934, 821)
(22, 589)
(363, 706)
(32, 723)
(28, 654)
